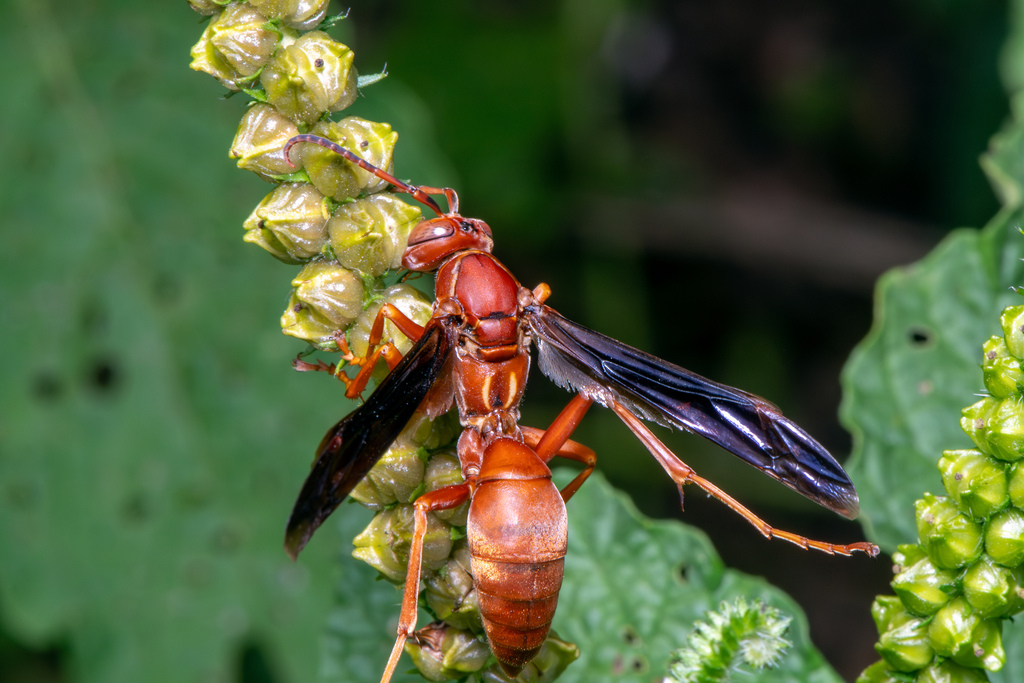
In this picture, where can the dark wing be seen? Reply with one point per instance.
(606, 370)
(354, 445)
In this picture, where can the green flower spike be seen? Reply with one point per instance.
(290, 222)
(259, 142)
(310, 77)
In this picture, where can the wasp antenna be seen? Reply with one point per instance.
(416, 192)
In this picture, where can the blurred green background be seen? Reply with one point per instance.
(717, 183)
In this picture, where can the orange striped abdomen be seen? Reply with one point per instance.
(518, 534)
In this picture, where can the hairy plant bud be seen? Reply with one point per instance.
(991, 590)
(290, 222)
(923, 588)
(406, 298)
(385, 543)
(904, 644)
(1002, 371)
(310, 77)
(370, 234)
(327, 298)
(958, 632)
(259, 142)
(450, 593)
(976, 482)
(1012, 320)
(337, 177)
(300, 14)
(949, 536)
(950, 672)
(1004, 538)
(443, 653)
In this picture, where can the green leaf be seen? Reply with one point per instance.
(633, 588)
(906, 383)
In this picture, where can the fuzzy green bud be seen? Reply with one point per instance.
(406, 298)
(976, 482)
(958, 632)
(309, 77)
(443, 470)
(1004, 537)
(442, 652)
(290, 222)
(301, 14)
(923, 588)
(949, 672)
(991, 590)
(339, 178)
(949, 536)
(904, 645)
(1002, 371)
(385, 543)
(260, 140)
(326, 298)
(370, 234)
(1012, 320)
(451, 594)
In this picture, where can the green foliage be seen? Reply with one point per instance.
(633, 589)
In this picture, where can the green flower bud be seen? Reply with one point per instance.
(327, 298)
(879, 672)
(906, 555)
(443, 653)
(1004, 538)
(301, 14)
(385, 543)
(339, 178)
(993, 591)
(208, 59)
(949, 536)
(949, 672)
(904, 645)
(975, 481)
(975, 422)
(408, 300)
(450, 592)
(1005, 431)
(242, 37)
(259, 142)
(370, 235)
(444, 470)
(1003, 374)
(290, 222)
(393, 479)
(1015, 485)
(1012, 321)
(309, 77)
(554, 657)
(207, 7)
(886, 610)
(958, 632)
(923, 588)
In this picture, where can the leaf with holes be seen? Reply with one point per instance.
(632, 591)
(905, 384)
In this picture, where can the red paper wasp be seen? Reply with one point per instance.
(475, 351)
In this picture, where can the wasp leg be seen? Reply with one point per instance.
(682, 474)
(442, 499)
(555, 441)
(355, 386)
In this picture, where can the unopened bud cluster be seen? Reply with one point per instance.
(965, 577)
(338, 223)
